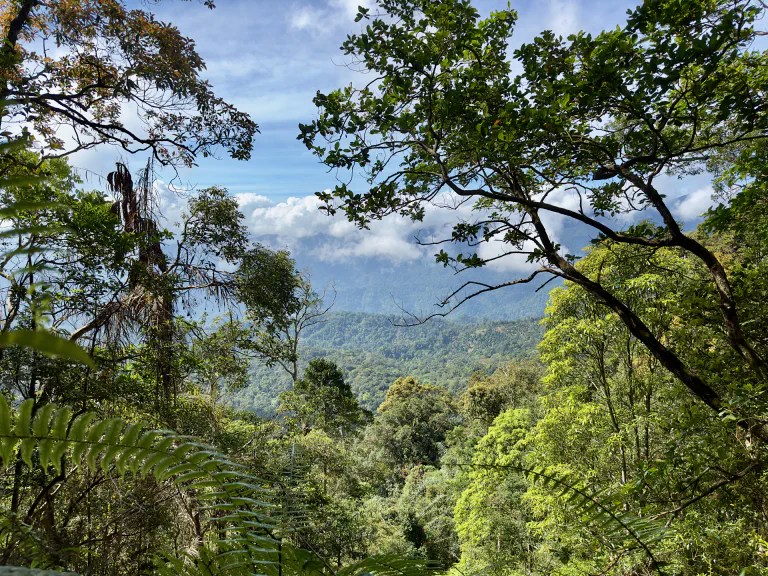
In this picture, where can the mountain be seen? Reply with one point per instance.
(375, 286)
(404, 282)
(373, 352)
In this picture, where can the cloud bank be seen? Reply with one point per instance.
(298, 223)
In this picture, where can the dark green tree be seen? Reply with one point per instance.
(322, 399)
(411, 425)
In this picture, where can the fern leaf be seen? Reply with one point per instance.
(47, 343)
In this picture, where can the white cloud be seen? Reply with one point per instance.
(693, 205)
(300, 220)
(307, 18)
(334, 237)
(511, 262)
(554, 224)
(336, 14)
(299, 223)
(249, 201)
(172, 202)
(295, 218)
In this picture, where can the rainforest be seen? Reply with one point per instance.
(384, 287)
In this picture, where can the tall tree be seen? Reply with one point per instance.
(212, 256)
(491, 517)
(612, 415)
(73, 70)
(322, 399)
(412, 425)
(278, 343)
(583, 132)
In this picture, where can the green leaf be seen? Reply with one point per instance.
(24, 418)
(5, 417)
(16, 208)
(43, 420)
(27, 448)
(47, 343)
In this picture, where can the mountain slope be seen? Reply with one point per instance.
(373, 352)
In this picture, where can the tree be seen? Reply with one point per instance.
(491, 515)
(583, 132)
(412, 425)
(515, 385)
(279, 344)
(614, 418)
(322, 399)
(51, 273)
(212, 256)
(81, 66)
(213, 363)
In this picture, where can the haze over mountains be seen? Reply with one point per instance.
(381, 286)
(385, 271)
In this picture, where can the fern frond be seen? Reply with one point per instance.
(239, 557)
(238, 502)
(589, 503)
(389, 565)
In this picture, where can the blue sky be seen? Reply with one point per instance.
(269, 58)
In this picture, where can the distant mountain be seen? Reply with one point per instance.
(378, 285)
(373, 352)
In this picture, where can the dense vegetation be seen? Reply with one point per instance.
(374, 350)
(633, 442)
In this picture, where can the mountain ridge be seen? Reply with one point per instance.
(373, 352)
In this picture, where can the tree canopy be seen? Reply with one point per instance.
(585, 132)
(72, 71)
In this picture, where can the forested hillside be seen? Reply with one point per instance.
(373, 351)
(179, 397)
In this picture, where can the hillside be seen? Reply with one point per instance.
(380, 286)
(373, 352)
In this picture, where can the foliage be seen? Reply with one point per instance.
(490, 516)
(277, 343)
(372, 352)
(592, 120)
(412, 424)
(633, 442)
(323, 400)
(109, 59)
(76, 265)
(14, 211)
(113, 447)
(615, 417)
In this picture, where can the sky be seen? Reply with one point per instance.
(269, 58)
